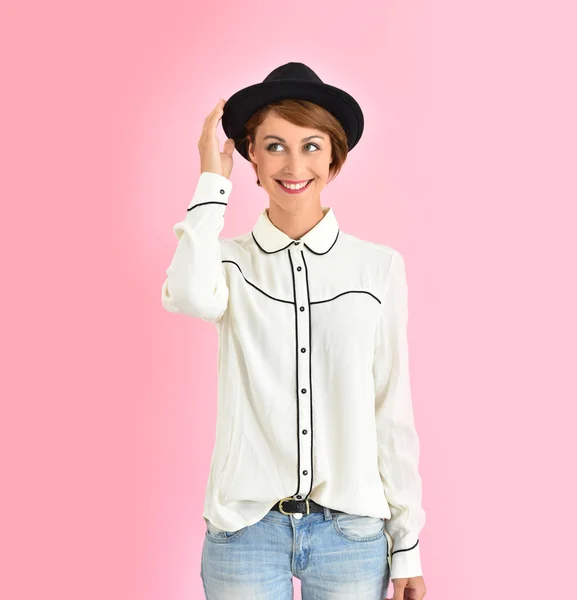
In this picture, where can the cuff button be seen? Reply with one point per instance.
(222, 191)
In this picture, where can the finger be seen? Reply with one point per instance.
(216, 113)
(228, 147)
(212, 118)
(399, 592)
(216, 108)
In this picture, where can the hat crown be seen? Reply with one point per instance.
(293, 71)
(294, 81)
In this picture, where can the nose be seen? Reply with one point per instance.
(296, 167)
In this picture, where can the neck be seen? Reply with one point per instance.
(292, 224)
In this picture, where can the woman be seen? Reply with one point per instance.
(314, 472)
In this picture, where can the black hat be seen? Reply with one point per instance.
(295, 81)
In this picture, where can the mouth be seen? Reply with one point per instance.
(289, 191)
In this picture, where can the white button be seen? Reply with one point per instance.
(297, 515)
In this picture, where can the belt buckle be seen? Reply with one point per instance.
(306, 501)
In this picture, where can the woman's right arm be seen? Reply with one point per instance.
(195, 283)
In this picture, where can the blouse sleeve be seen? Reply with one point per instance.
(195, 284)
(398, 442)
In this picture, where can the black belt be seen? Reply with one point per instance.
(289, 505)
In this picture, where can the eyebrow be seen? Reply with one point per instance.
(266, 137)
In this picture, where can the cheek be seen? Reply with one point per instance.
(321, 164)
(263, 158)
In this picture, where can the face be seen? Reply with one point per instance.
(287, 152)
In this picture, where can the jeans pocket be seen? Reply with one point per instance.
(359, 528)
(216, 534)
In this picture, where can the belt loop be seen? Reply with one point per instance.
(327, 512)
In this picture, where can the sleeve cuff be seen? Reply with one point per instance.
(405, 563)
(211, 188)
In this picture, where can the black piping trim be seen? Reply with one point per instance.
(321, 253)
(290, 244)
(310, 369)
(291, 302)
(266, 251)
(348, 292)
(256, 287)
(203, 203)
(406, 549)
(297, 376)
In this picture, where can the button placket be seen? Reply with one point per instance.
(305, 439)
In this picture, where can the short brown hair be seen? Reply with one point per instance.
(304, 114)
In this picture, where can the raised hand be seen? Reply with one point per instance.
(211, 158)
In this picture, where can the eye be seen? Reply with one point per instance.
(270, 146)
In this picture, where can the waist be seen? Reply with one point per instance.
(292, 506)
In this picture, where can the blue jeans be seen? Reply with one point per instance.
(336, 556)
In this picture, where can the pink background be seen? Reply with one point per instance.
(467, 166)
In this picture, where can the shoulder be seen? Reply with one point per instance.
(381, 254)
(235, 243)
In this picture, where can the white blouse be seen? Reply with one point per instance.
(314, 398)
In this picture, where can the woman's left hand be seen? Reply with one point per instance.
(412, 588)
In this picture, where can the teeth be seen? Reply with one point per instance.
(292, 186)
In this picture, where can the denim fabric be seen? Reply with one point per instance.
(335, 555)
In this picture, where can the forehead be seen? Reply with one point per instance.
(275, 125)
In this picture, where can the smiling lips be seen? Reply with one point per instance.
(297, 190)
